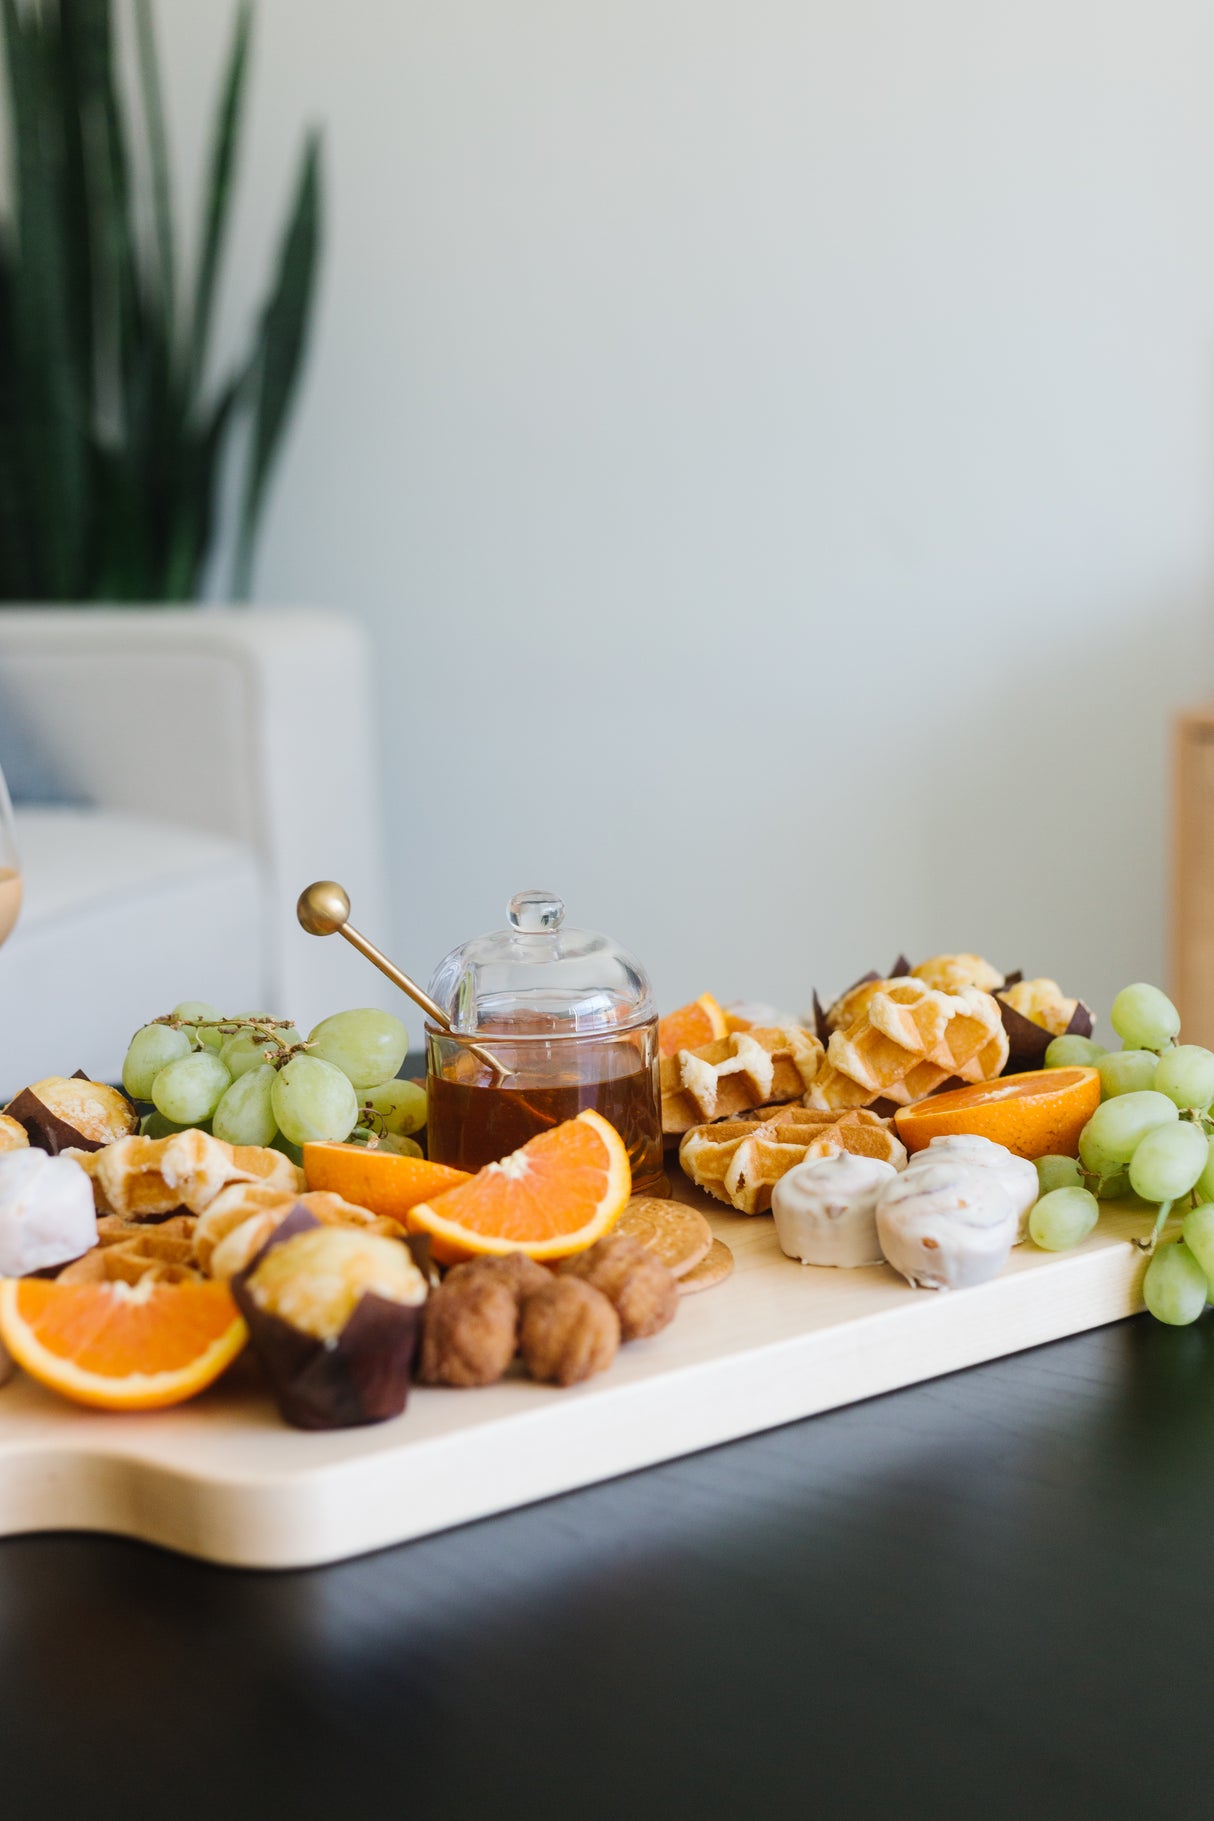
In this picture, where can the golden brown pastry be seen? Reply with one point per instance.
(639, 1287)
(469, 1330)
(569, 1331)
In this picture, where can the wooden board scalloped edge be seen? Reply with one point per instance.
(364, 1499)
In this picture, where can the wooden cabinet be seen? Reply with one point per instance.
(1193, 873)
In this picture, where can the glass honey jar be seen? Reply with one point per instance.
(568, 1018)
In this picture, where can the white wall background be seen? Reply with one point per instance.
(770, 444)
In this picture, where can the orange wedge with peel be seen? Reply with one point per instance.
(692, 1025)
(1037, 1114)
(121, 1346)
(558, 1194)
(380, 1180)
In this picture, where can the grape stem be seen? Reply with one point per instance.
(1149, 1244)
(265, 1028)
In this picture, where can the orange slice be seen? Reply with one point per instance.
(557, 1195)
(689, 1027)
(121, 1346)
(379, 1180)
(1040, 1113)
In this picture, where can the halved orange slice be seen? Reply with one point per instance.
(121, 1346)
(700, 1022)
(558, 1194)
(1037, 1114)
(379, 1180)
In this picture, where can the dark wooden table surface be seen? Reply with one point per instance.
(986, 1596)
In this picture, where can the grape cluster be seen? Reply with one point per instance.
(253, 1079)
(1151, 1136)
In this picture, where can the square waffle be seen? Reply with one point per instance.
(909, 1039)
(735, 1074)
(740, 1161)
(253, 1211)
(127, 1251)
(148, 1176)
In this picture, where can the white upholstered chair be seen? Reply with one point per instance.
(179, 775)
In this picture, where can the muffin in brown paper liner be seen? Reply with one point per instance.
(362, 1376)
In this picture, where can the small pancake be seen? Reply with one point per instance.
(679, 1236)
(711, 1271)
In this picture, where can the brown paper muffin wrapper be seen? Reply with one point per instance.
(363, 1376)
(1027, 1042)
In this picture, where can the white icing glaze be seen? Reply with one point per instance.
(1017, 1174)
(46, 1212)
(946, 1224)
(825, 1209)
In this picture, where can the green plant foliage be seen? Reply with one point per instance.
(112, 441)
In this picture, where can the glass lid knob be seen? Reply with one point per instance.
(534, 912)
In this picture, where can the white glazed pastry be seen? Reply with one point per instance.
(46, 1212)
(946, 1225)
(1017, 1174)
(825, 1209)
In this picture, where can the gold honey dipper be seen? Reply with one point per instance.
(323, 909)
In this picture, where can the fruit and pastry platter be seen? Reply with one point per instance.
(246, 1312)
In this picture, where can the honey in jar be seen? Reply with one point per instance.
(567, 1016)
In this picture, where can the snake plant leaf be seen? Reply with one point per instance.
(284, 333)
(84, 51)
(16, 556)
(158, 157)
(56, 406)
(112, 448)
(222, 168)
(194, 523)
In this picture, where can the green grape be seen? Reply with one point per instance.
(1118, 1126)
(1071, 1051)
(1175, 1285)
(401, 1145)
(1126, 1072)
(1112, 1188)
(198, 1008)
(400, 1104)
(1168, 1161)
(1203, 1188)
(245, 1114)
(1059, 1173)
(150, 1050)
(287, 1148)
(1186, 1075)
(1063, 1218)
(155, 1125)
(1144, 1018)
(367, 1046)
(1094, 1156)
(244, 1050)
(398, 1144)
(1198, 1232)
(189, 1090)
(312, 1099)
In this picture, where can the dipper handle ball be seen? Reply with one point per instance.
(324, 910)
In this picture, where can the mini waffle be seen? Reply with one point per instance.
(735, 1074)
(149, 1176)
(908, 1040)
(740, 1161)
(128, 1251)
(242, 1217)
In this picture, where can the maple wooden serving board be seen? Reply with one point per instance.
(222, 1478)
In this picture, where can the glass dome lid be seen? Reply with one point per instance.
(538, 978)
